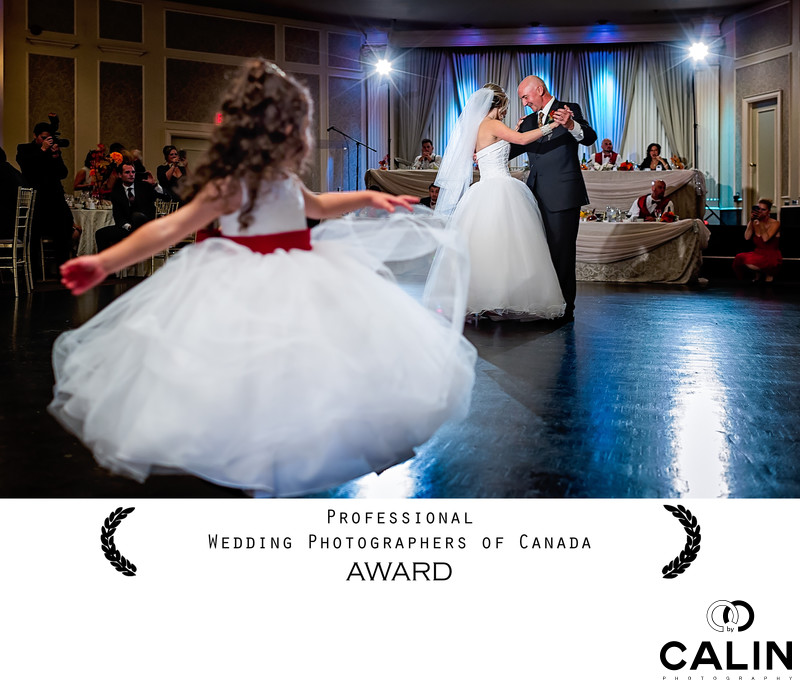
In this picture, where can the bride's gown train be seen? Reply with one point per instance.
(511, 274)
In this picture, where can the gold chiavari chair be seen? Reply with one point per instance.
(15, 252)
(164, 207)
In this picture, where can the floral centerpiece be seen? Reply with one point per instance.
(677, 163)
(604, 167)
(626, 166)
(103, 168)
(669, 216)
(384, 164)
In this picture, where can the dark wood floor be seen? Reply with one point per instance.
(653, 391)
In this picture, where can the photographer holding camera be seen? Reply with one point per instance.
(765, 233)
(43, 168)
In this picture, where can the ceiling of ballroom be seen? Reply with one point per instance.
(456, 14)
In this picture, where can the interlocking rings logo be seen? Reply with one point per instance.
(730, 615)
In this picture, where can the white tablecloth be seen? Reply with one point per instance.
(640, 251)
(620, 189)
(90, 221)
(413, 182)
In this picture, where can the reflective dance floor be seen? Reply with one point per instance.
(653, 391)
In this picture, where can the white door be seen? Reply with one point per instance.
(764, 154)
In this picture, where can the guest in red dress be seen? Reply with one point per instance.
(765, 233)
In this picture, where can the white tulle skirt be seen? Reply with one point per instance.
(511, 274)
(284, 373)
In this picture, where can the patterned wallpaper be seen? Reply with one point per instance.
(195, 89)
(344, 112)
(219, 35)
(301, 45)
(765, 30)
(121, 21)
(344, 51)
(121, 104)
(312, 178)
(54, 78)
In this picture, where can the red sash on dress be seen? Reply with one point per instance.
(264, 243)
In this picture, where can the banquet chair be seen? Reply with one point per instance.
(164, 207)
(402, 164)
(46, 242)
(15, 252)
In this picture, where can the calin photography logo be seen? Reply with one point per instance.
(737, 654)
(115, 558)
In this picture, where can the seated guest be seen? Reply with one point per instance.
(171, 173)
(134, 203)
(650, 206)
(83, 180)
(653, 159)
(10, 181)
(606, 154)
(430, 201)
(765, 233)
(138, 163)
(427, 161)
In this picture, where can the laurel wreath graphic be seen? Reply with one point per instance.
(689, 553)
(110, 525)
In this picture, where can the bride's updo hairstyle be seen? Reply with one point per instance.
(500, 100)
(263, 134)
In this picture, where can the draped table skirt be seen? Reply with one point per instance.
(640, 251)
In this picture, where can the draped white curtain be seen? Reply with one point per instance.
(671, 76)
(417, 87)
(632, 94)
(609, 77)
(707, 94)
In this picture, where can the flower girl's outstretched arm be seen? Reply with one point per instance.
(319, 206)
(523, 138)
(85, 272)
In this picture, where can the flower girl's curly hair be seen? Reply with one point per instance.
(500, 99)
(263, 135)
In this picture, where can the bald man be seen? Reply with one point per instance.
(555, 175)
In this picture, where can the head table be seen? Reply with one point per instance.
(617, 189)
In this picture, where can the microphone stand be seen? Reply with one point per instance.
(358, 152)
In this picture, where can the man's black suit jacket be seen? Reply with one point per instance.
(144, 202)
(42, 170)
(555, 171)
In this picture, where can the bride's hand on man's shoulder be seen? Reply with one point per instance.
(519, 123)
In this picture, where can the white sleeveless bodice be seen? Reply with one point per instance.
(279, 208)
(493, 160)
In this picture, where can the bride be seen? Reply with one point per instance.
(511, 274)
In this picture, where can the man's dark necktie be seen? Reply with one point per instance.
(130, 195)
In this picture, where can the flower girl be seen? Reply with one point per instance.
(268, 357)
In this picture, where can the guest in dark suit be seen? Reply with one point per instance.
(134, 203)
(430, 201)
(555, 175)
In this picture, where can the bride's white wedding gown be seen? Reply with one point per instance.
(511, 274)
